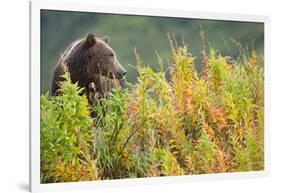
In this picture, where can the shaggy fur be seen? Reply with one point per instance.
(87, 60)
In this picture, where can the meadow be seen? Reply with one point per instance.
(184, 123)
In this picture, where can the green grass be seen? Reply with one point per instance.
(193, 123)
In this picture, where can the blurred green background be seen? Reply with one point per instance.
(146, 34)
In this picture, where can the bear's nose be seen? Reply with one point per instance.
(124, 73)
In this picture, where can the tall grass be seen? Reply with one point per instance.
(193, 123)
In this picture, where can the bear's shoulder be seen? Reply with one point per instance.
(71, 49)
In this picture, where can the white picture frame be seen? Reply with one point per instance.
(36, 6)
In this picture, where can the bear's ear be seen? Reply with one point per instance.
(106, 39)
(90, 39)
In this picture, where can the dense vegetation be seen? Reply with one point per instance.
(189, 123)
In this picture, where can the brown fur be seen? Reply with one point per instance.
(88, 60)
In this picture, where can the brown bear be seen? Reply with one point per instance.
(89, 61)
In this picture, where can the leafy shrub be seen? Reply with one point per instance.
(66, 136)
(193, 123)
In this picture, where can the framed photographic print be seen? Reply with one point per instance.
(128, 96)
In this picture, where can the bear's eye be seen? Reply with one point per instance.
(111, 54)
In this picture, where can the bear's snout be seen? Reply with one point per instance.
(124, 73)
(121, 73)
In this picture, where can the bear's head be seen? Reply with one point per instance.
(101, 59)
